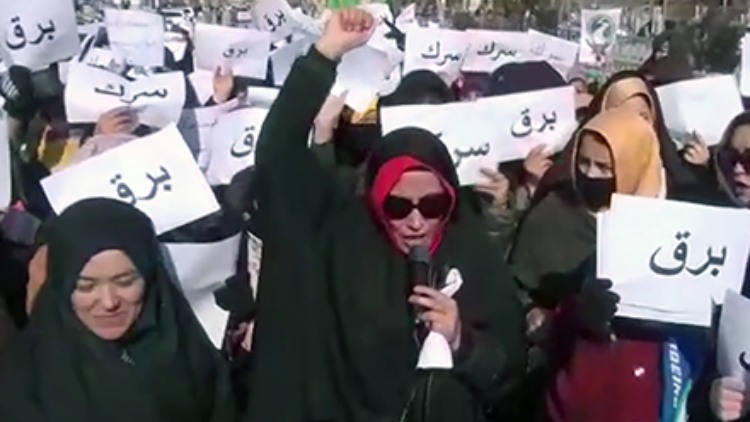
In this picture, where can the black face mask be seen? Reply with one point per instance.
(595, 193)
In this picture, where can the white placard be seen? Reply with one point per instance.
(254, 260)
(733, 346)
(245, 51)
(598, 34)
(407, 18)
(440, 50)
(261, 97)
(704, 105)
(559, 53)
(103, 58)
(203, 84)
(37, 33)
(672, 256)
(275, 17)
(157, 174)
(284, 57)
(745, 66)
(5, 171)
(200, 269)
(232, 143)
(195, 127)
(493, 129)
(492, 49)
(361, 73)
(90, 92)
(136, 36)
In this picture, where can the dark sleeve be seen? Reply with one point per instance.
(492, 356)
(291, 177)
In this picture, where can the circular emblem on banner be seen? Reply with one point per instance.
(602, 31)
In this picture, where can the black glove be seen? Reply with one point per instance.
(236, 297)
(596, 307)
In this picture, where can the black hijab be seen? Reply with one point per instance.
(513, 78)
(371, 344)
(163, 369)
(723, 162)
(420, 87)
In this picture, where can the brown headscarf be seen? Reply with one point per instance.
(635, 151)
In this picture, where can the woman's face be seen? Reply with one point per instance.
(109, 294)
(639, 105)
(415, 229)
(739, 164)
(594, 158)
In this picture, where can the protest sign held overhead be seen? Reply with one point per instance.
(244, 51)
(232, 143)
(156, 174)
(440, 50)
(275, 17)
(598, 34)
(37, 33)
(492, 49)
(136, 36)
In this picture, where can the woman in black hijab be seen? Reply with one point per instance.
(336, 337)
(110, 336)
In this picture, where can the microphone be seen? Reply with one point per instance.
(418, 270)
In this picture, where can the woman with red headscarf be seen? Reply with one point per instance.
(340, 321)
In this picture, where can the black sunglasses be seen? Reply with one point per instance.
(431, 206)
(730, 157)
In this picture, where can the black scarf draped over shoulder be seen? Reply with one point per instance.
(334, 339)
(163, 369)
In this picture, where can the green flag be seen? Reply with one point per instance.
(342, 4)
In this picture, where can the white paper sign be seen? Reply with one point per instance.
(598, 34)
(733, 348)
(361, 73)
(704, 105)
(245, 51)
(195, 127)
(492, 49)
(275, 17)
(261, 97)
(37, 33)
(493, 129)
(672, 256)
(136, 36)
(559, 53)
(284, 57)
(90, 92)
(157, 174)
(203, 84)
(103, 58)
(254, 259)
(745, 67)
(5, 172)
(440, 50)
(200, 269)
(232, 143)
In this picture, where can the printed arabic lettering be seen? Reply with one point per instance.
(501, 52)
(525, 126)
(280, 21)
(487, 51)
(471, 152)
(451, 57)
(433, 50)
(235, 53)
(525, 123)
(161, 93)
(125, 193)
(248, 141)
(20, 34)
(110, 90)
(680, 255)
